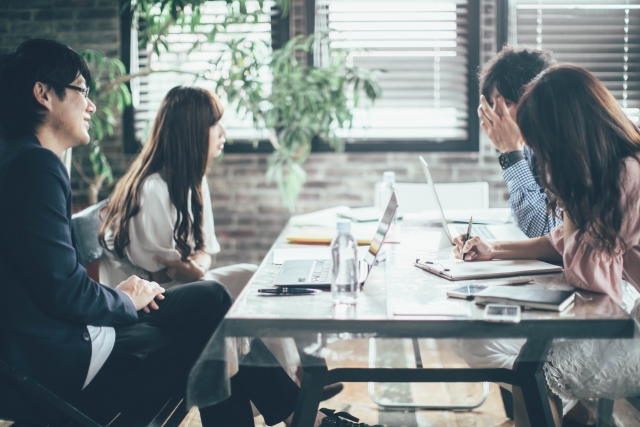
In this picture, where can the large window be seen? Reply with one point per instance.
(602, 36)
(190, 61)
(427, 51)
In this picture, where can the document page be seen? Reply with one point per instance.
(456, 269)
(322, 252)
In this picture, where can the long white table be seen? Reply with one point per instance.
(313, 324)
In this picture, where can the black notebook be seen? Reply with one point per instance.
(526, 296)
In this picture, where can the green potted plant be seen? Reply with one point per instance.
(303, 102)
(108, 90)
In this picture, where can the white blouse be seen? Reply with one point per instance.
(151, 234)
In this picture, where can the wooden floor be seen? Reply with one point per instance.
(356, 400)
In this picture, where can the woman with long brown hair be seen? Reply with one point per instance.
(589, 161)
(159, 222)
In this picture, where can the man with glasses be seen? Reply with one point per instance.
(83, 90)
(103, 350)
(56, 324)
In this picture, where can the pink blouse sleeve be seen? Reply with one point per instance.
(556, 237)
(586, 267)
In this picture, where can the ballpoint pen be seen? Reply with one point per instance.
(467, 237)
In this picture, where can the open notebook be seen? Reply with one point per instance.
(455, 269)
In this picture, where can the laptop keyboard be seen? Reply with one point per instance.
(478, 230)
(321, 271)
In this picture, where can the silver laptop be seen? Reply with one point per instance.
(487, 232)
(317, 273)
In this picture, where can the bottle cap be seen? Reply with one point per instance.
(389, 176)
(343, 225)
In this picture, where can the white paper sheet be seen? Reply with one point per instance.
(456, 269)
(323, 218)
(493, 216)
(281, 255)
(439, 308)
(480, 216)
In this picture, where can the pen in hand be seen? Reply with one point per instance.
(467, 236)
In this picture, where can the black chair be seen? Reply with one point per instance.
(86, 224)
(164, 414)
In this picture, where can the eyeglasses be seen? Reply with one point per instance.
(83, 90)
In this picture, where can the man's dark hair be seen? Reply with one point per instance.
(511, 69)
(36, 60)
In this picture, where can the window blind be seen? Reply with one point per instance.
(421, 46)
(602, 36)
(186, 62)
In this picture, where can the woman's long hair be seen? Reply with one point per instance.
(581, 138)
(178, 148)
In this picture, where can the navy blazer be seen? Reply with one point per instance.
(46, 297)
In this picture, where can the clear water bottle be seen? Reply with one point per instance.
(385, 190)
(344, 276)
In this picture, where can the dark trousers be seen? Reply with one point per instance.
(151, 360)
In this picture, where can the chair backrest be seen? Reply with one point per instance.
(417, 197)
(414, 197)
(464, 195)
(86, 224)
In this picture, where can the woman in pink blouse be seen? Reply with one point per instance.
(589, 161)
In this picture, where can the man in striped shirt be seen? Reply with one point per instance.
(502, 83)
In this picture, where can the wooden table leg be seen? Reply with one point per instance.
(309, 397)
(528, 368)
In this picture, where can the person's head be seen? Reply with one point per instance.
(509, 71)
(185, 134)
(187, 126)
(581, 137)
(35, 91)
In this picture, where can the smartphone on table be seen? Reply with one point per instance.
(284, 291)
(502, 313)
(466, 291)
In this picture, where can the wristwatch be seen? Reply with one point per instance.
(508, 159)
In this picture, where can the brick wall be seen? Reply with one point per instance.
(248, 213)
(80, 24)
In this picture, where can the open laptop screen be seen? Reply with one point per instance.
(427, 176)
(383, 228)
